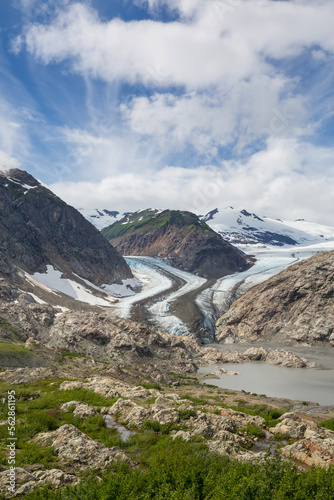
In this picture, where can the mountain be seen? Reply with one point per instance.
(295, 306)
(178, 236)
(102, 218)
(241, 227)
(39, 231)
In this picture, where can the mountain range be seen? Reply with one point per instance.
(178, 236)
(43, 238)
(241, 227)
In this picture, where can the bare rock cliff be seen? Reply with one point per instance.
(37, 228)
(295, 306)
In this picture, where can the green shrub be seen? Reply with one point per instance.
(254, 431)
(188, 471)
(328, 424)
(186, 414)
(150, 386)
(155, 426)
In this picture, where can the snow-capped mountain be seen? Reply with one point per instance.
(241, 227)
(102, 218)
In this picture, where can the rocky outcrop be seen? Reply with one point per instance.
(37, 228)
(181, 238)
(27, 482)
(310, 452)
(104, 337)
(280, 357)
(76, 449)
(80, 409)
(295, 306)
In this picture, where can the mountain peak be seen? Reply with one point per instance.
(179, 236)
(38, 229)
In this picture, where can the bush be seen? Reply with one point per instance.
(328, 424)
(187, 471)
(254, 431)
(186, 414)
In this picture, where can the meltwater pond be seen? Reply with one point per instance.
(304, 384)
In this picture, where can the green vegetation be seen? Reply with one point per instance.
(9, 349)
(270, 415)
(150, 386)
(187, 471)
(165, 468)
(328, 424)
(159, 428)
(147, 221)
(254, 431)
(37, 410)
(186, 414)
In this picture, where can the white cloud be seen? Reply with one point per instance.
(7, 162)
(249, 111)
(14, 142)
(194, 53)
(226, 60)
(279, 182)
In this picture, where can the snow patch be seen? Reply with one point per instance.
(52, 280)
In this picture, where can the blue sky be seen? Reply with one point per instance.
(189, 104)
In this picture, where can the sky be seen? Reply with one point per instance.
(184, 104)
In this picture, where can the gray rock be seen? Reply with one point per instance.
(78, 450)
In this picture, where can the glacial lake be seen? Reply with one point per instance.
(304, 384)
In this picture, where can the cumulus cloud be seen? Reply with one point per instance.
(220, 81)
(279, 181)
(197, 53)
(249, 111)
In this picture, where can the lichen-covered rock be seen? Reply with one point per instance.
(310, 452)
(166, 416)
(55, 478)
(297, 427)
(81, 410)
(241, 419)
(78, 450)
(184, 435)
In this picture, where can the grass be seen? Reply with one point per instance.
(328, 424)
(150, 386)
(9, 349)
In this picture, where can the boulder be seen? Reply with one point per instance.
(81, 410)
(76, 449)
(310, 452)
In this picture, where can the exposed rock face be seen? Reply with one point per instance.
(276, 357)
(310, 452)
(26, 482)
(181, 237)
(37, 228)
(294, 306)
(105, 337)
(81, 410)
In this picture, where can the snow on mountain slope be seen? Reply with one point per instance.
(102, 218)
(240, 227)
(52, 280)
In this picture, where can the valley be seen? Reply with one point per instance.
(185, 304)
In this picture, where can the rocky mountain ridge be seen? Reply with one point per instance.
(179, 237)
(241, 227)
(38, 229)
(295, 306)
